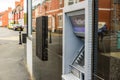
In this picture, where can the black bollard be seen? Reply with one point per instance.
(20, 41)
(50, 40)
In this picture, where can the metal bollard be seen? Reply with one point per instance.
(20, 41)
(50, 40)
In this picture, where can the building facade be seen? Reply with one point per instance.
(104, 15)
(70, 2)
(53, 9)
(4, 17)
(15, 16)
(18, 13)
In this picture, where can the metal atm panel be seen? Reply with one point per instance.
(42, 37)
(77, 41)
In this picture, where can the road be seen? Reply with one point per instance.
(12, 56)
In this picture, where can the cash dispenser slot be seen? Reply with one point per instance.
(77, 66)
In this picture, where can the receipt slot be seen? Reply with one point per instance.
(77, 41)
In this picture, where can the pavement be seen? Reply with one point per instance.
(51, 69)
(12, 56)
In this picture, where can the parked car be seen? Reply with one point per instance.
(10, 26)
(18, 27)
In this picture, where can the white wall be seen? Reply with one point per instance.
(29, 56)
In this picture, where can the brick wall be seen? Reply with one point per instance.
(5, 19)
(19, 13)
(104, 3)
(105, 16)
(52, 9)
(104, 13)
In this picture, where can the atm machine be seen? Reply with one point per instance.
(77, 41)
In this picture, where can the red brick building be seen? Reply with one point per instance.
(4, 17)
(18, 12)
(109, 12)
(53, 9)
(104, 14)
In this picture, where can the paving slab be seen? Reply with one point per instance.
(12, 57)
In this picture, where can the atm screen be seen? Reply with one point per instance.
(78, 24)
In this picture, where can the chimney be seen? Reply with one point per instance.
(17, 3)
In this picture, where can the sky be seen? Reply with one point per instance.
(4, 4)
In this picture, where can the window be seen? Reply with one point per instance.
(76, 1)
(60, 1)
(73, 1)
(70, 2)
(49, 22)
(60, 21)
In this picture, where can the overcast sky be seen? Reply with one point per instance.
(4, 4)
